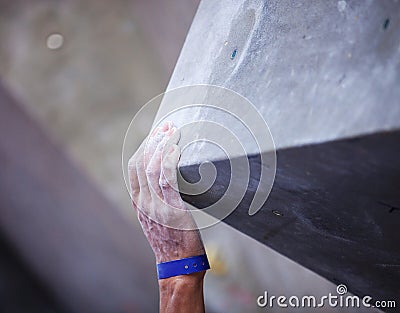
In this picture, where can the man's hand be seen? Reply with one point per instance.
(155, 196)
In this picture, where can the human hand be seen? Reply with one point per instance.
(156, 199)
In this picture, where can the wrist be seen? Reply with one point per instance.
(182, 283)
(182, 293)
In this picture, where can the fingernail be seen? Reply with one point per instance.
(165, 127)
(171, 131)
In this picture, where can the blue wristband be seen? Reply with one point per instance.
(184, 266)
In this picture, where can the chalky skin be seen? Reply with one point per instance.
(156, 200)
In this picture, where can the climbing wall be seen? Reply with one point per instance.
(325, 77)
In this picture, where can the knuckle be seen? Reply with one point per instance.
(134, 184)
(164, 184)
(135, 195)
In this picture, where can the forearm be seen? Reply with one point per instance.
(182, 294)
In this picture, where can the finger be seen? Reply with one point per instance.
(133, 179)
(162, 127)
(144, 192)
(168, 178)
(173, 138)
(132, 160)
(136, 171)
(154, 139)
(151, 145)
(132, 173)
(171, 154)
(153, 169)
(144, 145)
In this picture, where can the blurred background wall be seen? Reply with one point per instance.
(79, 71)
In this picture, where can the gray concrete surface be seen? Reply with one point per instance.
(342, 82)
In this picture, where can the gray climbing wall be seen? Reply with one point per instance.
(325, 75)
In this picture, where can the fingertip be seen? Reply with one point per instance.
(162, 128)
(175, 135)
(165, 126)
